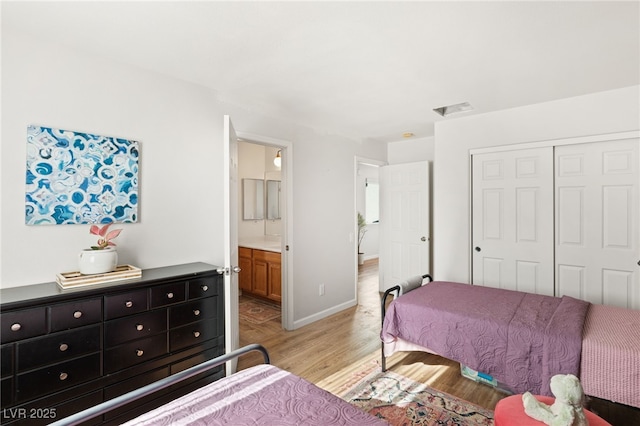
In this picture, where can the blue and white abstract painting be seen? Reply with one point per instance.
(80, 178)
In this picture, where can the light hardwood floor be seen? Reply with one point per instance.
(344, 340)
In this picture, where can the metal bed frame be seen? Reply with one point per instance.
(383, 305)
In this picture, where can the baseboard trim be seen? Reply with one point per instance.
(323, 314)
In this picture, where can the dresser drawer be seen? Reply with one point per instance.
(135, 352)
(192, 334)
(136, 382)
(76, 314)
(203, 287)
(199, 359)
(167, 294)
(57, 377)
(192, 311)
(57, 347)
(122, 304)
(23, 324)
(134, 327)
(6, 360)
(6, 391)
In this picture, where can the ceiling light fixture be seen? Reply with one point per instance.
(452, 109)
(278, 160)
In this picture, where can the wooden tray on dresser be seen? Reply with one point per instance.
(76, 279)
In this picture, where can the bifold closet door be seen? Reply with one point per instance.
(597, 229)
(512, 211)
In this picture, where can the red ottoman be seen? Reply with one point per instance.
(510, 412)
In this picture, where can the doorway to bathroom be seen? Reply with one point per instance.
(262, 234)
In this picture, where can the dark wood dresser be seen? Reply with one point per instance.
(64, 350)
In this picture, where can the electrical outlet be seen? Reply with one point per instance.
(321, 289)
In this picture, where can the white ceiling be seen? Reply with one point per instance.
(367, 70)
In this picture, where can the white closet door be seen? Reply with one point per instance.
(513, 220)
(597, 229)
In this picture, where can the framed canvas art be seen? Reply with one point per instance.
(80, 178)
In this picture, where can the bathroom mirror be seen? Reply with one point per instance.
(253, 199)
(273, 199)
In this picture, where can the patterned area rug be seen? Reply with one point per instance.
(257, 312)
(402, 401)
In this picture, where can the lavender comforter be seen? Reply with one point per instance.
(521, 339)
(260, 395)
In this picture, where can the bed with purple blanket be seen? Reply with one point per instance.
(259, 395)
(521, 339)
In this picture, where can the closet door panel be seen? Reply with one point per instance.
(513, 220)
(597, 222)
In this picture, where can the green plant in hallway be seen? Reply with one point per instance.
(362, 229)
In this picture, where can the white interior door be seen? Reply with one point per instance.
(597, 224)
(404, 222)
(231, 292)
(512, 210)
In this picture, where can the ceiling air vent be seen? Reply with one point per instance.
(452, 109)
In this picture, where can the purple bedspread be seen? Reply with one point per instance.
(260, 395)
(521, 339)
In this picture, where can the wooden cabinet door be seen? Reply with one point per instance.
(275, 281)
(260, 274)
(246, 269)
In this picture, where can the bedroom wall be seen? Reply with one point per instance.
(593, 114)
(179, 126)
(410, 150)
(176, 124)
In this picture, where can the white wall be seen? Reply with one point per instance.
(594, 114)
(410, 150)
(179, 126)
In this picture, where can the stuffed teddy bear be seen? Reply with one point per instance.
(567, 408)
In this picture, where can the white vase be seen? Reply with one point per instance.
(97, 261)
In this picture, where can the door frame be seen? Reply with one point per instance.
(287, 219)
(370, 162)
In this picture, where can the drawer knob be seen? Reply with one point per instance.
(77, 314)
(139, 352)
(63, 347)
(196, 312)
(16, 327)
(170, 295)
(139, 327)
(205, 287)
(128, 303)
(63, 376)
(196, 334)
